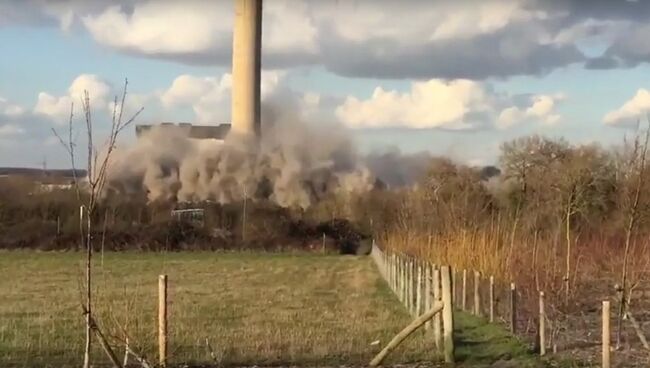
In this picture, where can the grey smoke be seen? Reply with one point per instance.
(291, 165)
(396, 169)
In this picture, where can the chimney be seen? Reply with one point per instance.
(246, 67)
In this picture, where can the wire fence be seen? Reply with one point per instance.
(533, 316)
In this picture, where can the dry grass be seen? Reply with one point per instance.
(539, 264)
(253, 308)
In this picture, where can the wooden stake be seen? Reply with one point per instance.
(411, 280)
(400, 277)
(437, 319)
(447, 314)
(393, 273)
(477, 293)
(405, 282)
(454, 286)
(513, 308)
(464, 296)
(418, 287)
(606, 335)
(491, 299)
(162, 320)
(428, 300)
(542, 325)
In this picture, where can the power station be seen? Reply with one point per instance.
(246, 80)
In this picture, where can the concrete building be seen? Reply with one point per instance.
(217, 132)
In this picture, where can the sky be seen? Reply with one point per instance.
(454, 78)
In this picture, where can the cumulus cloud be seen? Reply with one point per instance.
(631, 111)
(9, 109)
(456, 105)
(159, 28)
(383, 39)
(541, 108)
(198, 31)
(20, 128)
(12, 117)
(102, 95)
(58, 107)
(209, 97)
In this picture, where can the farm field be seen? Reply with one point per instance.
(225, 309)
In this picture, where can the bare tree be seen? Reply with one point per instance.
(636, 167)
(98, 161)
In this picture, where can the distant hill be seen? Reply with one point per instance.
(33, 172)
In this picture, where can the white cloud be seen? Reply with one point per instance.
(360, 38)
(385, 39)
(200, 30)
(9, 109)
(457, 104)
(457, 20)
(541, 108)
(631, 111)
(431, 104)
(209, 97)
(161, 27)
(58, 107)
(54, 107)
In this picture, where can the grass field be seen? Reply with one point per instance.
(262, 309)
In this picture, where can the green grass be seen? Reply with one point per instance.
(482, 344)
(253, 308)
(264, 309)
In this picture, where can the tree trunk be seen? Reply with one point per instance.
(89, 253)
(567, 275)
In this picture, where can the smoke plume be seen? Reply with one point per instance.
(291, 165)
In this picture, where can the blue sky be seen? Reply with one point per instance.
(405, 76)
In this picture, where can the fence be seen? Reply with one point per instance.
(431, 292)
(418, 284)
(426, 292)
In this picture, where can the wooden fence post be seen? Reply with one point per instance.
(402, 298)
(491, 299)
(437, 319)
(405, 282)
(412, 286)
(454, 287)
(427, 292)
(447, 314)
(542, 325)
(464, 296)
(477, 293)
(418, 287)
(606, 335)
(407, 289)
(392, 272)
(513, 308)
(162, 320)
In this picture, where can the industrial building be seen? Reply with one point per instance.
(217, 132)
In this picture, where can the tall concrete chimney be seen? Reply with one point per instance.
(246, 66)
